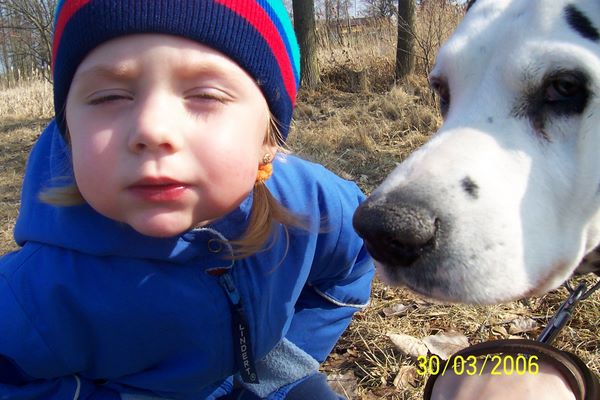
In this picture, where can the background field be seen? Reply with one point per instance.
(359, 124)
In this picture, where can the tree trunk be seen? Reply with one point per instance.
(405, 56)
(304, 25)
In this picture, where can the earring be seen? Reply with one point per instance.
(267, 158)
(265, 170)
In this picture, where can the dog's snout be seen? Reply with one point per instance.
(396, 234)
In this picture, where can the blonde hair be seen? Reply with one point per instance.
(266, 212)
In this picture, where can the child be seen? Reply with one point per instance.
(159, 258)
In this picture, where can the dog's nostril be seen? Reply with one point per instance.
(396, 234)
(407, 253)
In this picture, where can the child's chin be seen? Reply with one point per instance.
(159, 233)
(159, 229)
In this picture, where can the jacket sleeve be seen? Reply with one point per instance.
(20, 342)
(338, 285)
(324, 311)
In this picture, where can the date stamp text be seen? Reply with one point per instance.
(471, 365)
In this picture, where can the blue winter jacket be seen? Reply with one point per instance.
(91, 309)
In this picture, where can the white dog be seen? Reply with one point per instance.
(504, 201)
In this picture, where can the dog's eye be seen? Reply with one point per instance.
(440, 87)
(564, 87)
(561, 94)
(565, 93)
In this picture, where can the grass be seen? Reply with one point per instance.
(361, 136)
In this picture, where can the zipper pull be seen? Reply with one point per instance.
(241, 334)
(227, 282)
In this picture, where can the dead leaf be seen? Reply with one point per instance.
(407, 376)
(500, 331)
(396, 310)
(445, 344)
(345, 384)
(335, 361)
(514, 337)
(352, 353)
(522, 324)
(408, 345)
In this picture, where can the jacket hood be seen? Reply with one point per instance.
(83, 229)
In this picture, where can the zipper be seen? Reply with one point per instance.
(241, 334)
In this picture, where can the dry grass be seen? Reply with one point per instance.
(24, 111)
(361, 136)
(31, 98)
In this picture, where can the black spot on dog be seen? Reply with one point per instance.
(579, 22)
(470, 187)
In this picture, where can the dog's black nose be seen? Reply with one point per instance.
(396, 234)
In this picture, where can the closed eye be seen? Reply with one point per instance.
(104, 97)
(207, 94)
(206, 97)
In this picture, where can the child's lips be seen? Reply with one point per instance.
(158, 189)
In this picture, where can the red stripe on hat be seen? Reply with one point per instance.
(67, 10)
(260, 20)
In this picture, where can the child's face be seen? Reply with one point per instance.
(166, 133)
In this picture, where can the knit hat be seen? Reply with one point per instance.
(257, 34)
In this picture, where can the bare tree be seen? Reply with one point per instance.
(328, 8)
(333, 10)
(336, 16)
(26, 29)
(405, 56)
(380, 8)
(304, 25)
(437, 19)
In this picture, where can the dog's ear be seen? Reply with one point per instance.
(470, 4)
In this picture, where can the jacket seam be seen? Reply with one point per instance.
(77, 388)
(337, 302)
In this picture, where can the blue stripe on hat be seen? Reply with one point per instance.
(286, 31)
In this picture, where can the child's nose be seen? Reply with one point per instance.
(155, 126)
